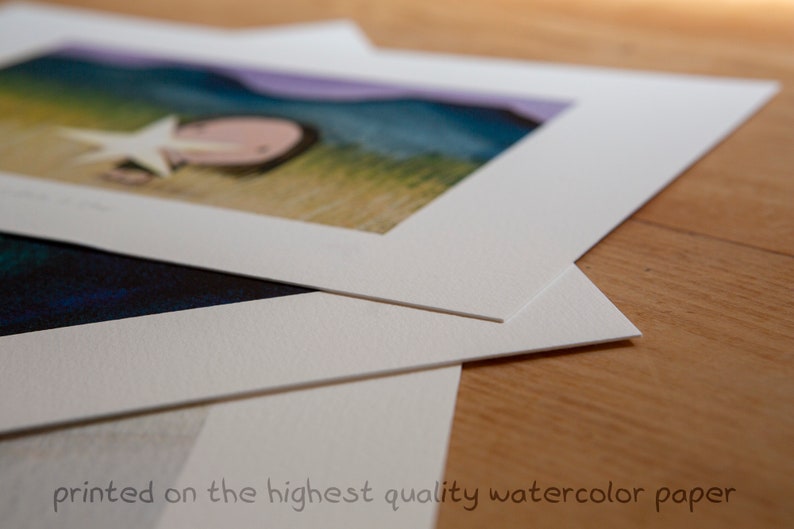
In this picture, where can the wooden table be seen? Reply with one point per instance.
(705, 270)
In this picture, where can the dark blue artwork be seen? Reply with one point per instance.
(46, 285)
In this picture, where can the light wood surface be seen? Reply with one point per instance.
(705, 270)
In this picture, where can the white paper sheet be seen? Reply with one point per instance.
(385, 430)
(160, 360)
(332, 435)
(330, 36)
(388, 433)
(193, 355)
(623, 137)
(381, 433)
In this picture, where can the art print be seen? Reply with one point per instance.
(439, 182)
(357, 155)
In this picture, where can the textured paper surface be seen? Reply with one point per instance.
(626, 150)
(390, 431)
(192, 355)
(382, 430)
(156, 361)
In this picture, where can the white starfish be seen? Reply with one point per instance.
(144, 146)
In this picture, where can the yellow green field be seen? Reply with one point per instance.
(339, 186)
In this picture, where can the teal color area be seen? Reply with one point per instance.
(399, 128)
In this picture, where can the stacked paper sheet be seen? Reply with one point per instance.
(445, 197)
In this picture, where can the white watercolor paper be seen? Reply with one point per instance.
(484, 247)
(195, 355)
(379, 433)
(382, 434)
(388, 431)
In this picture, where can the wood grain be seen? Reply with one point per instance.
(706, 270)
(703, 399)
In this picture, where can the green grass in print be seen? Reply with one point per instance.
(374, 164)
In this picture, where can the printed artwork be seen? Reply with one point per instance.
(357, 155)
(48, 285)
